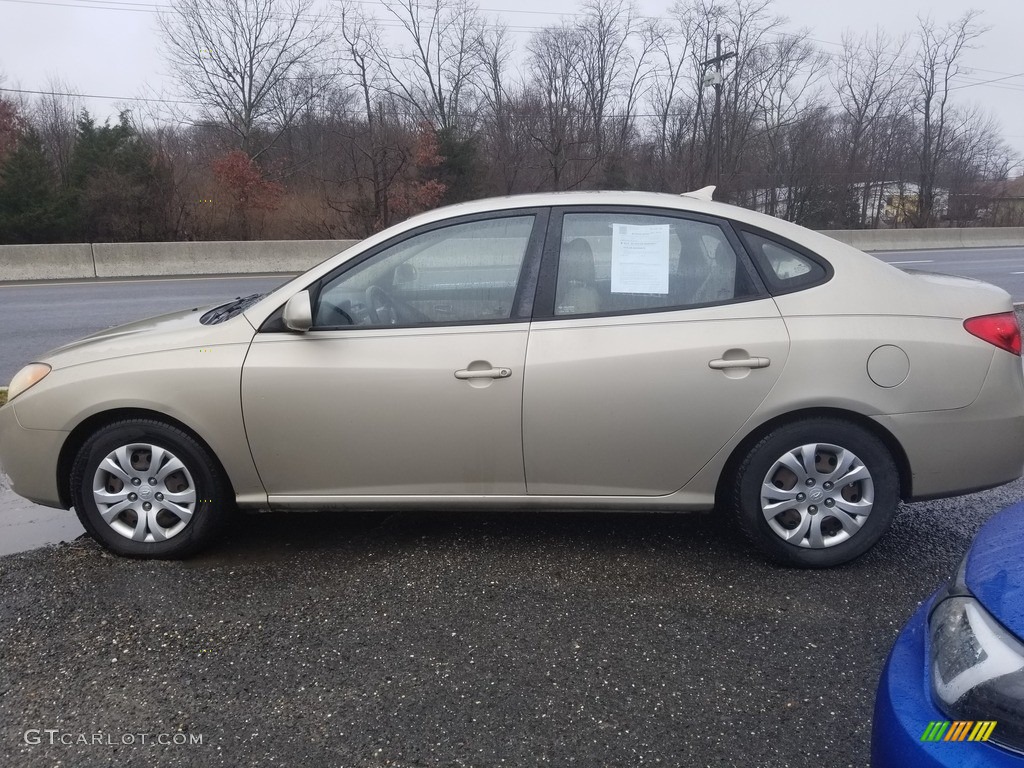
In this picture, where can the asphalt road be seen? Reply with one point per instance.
(38, 317)
(470, 639)
(1000, 266)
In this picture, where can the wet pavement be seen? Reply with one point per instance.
(442, 639)
(24, 525)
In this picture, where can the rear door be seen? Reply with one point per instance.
(653, 341)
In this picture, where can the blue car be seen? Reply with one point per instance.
(952, 692)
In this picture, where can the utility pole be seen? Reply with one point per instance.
(716, 79)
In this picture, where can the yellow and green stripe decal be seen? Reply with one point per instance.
(959, 730)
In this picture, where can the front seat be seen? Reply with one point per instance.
(577, 286)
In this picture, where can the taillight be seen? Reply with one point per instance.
(1001, 330)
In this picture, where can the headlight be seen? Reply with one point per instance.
(27, 377)
(977, 667)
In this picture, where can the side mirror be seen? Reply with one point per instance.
(298, 312)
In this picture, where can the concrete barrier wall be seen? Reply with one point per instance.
(46, 262)
(78, 261)
(924, 239)
(212, 258)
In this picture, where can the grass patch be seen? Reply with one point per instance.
(3, 395)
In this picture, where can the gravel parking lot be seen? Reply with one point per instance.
(463, 639)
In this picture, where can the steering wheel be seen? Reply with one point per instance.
(380, 306)
(339, 314)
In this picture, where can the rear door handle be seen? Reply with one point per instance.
(487, 373)
(748, 362)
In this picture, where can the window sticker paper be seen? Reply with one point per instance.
(640, 260)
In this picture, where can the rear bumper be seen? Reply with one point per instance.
(988, 449)
(29, 458)
(904, 709)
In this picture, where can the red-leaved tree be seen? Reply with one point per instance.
(246, 188)
(11, 127)
(420, 192)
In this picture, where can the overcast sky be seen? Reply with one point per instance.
(109, 47)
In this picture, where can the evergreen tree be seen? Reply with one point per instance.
(459, 168)
(32, 209)
(118, 188)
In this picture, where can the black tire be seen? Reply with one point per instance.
(202, 479)
(744, 493)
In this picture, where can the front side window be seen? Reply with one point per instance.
(612, 262)
(461, 273)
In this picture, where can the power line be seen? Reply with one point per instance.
(77, 5)
(380, 4)
(157, 8)
(905, 56)
(126, 2)
(154, 7)
(866, 57)
(988, 82)
(99, 96)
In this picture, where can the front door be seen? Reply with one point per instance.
(410, 381)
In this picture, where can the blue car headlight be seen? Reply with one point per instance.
(977, 666)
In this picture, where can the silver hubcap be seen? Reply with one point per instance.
(817, 495)
(144, 492)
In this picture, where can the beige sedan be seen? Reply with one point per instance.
(561, 351)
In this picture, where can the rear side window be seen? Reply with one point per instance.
(783, 268)
(622, 262)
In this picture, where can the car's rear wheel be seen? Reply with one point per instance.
(815, 493)
(146, 489)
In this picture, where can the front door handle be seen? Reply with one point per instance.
(748, 362)
(487, 373)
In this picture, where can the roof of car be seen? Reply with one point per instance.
(697, 201)
(589, 197)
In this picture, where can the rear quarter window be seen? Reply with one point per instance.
(783, 267)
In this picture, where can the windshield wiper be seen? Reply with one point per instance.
(229, 310)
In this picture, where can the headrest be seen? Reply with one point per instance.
(577, 262)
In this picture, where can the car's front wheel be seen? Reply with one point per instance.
(147, 489)
(815, 493)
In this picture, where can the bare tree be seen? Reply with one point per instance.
(250, 64)
(639, 72)
(603, 34)
(361, 120)
(747, 28)
(976, 154)
(751, 28)
(939, 61)
(667, 95)
(55, 117)
(563, 132)
(362, 47)
(505, 117)
(435, 71)
(12, 123)
(699, 21)
(787, 69)
(871, 85)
